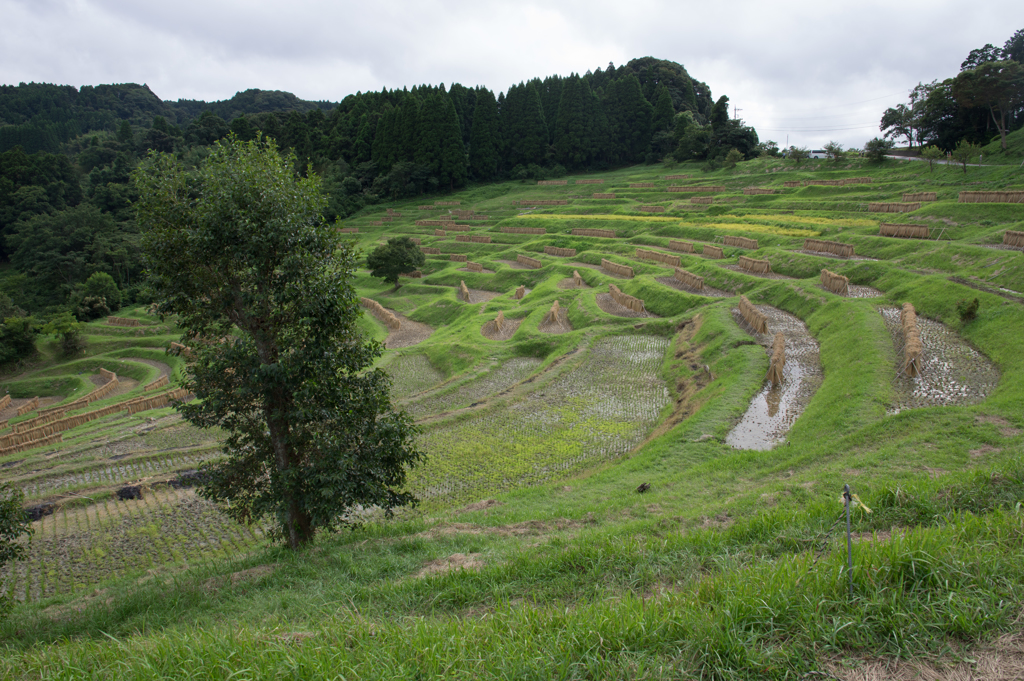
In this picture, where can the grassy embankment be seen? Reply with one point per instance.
(731, 566)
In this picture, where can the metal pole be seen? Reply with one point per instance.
(849, 541)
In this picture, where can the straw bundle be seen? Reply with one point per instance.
(836, 283)
(552, 182)
(391, 211)
(52, 439)
(472, 238)
(652, 209)
(577, 280)
(713, 252)
(991, 197)
(415, 274)
(824, 183)
(102, 391)
(644, 254)
(677, 177)
(547, 202)
(451, 227)
(560, 252)
(831, 247)
(857, 180)
(386, 218)
(158, 383)
(107, 374)
(37, 421)
(440, 232)
(520, 292)
(920, 196)
(499, 321)
(178, 348)
(602, 196)
(616, 268)
(1013, 239)
(641, 185)
(382, 314)
(695, 188)
(893, 207)
(689, 280)
(5, 401)
(121, 321)
(589, 181)
(529, 262)
(464, 292)
(741, 242)
(751, 315)
(458, 257)
(427, 250)
(681, 246)
(790, 184)
(625, 300)
(444, 217)
(603, 233)
(912, 347)
(415, 240)
(904, 231)
(28, 406)
(552, 316)
(431, 223)
(157, 401)
(447, 203)
(425, 207)
(523, 230)
(778, 361)
(750, 191)
(350, 230)
(754, 265)
(702, 200)
(474, 267)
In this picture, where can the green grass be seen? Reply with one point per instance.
(731, 566)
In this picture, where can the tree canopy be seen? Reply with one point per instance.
(398, 256)
(239, 251)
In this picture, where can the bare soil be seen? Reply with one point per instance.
(478, 296)
(707, 291)
(953, 373)
(483, 271)
(456, 561)
(508, 329)
(774, 410)
(609, 305)
(561, 326)
(410, 333)
(834, 256)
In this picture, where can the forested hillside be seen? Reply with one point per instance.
(66, 155)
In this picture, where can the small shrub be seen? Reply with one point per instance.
(967, 310)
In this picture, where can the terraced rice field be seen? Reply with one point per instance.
(596, 411)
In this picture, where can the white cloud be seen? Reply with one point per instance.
(817, 70)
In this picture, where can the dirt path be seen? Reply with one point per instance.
(612, 307)
(568, 283)
(953, 373)
(516, 265)
(708, 291)
(410, 333)
(774, 410)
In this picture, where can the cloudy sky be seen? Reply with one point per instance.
(808, 72)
